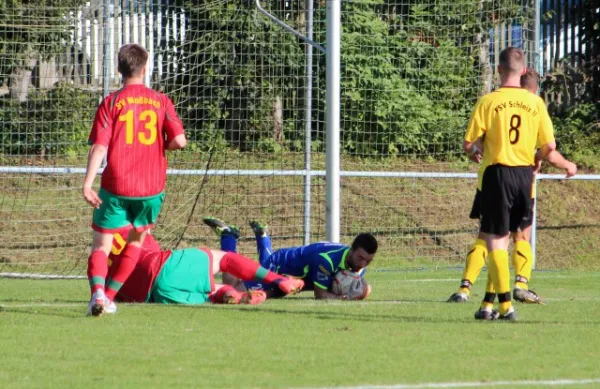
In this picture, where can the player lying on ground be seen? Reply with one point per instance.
(522, 257)
(133, 128)
(316, 264)
(515, 122)
(187, 276)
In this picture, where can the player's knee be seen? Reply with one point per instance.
(520, 236)
(217, 256)
(136, 237)
(102, 241)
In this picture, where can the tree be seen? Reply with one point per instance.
(590, 35)
(242, 75)
(31, 31)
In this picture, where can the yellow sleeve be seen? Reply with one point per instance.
(546, 130)
(476, 127)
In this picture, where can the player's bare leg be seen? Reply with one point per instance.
(523, 265)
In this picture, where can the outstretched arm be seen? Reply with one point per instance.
(557, 160)
(541, 154)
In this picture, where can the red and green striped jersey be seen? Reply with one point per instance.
(135, 123)
(152, 259)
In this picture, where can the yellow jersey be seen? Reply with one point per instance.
(515, 122)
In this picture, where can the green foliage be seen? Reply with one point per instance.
(50, 122)
(409, 74)
(572, 89)
(590, 36)
(33, 29)
(578, 133)
(406, 82)
(233, 90)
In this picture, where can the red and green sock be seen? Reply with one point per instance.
(246, 269)
(97, 270)
(123, 269)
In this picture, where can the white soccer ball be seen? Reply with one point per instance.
(349, 283)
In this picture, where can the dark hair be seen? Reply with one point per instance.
(512, 59)
(365, 241)
(530, 80)
(132, 59)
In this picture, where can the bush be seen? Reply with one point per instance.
(54, 122)
(577, 131)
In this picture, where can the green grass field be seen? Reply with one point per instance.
(404, 336)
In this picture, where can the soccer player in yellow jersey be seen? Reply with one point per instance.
(514, 121)
(522, 253)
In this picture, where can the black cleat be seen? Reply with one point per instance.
(483, 314)
(526, 296)
(259, 228)
(97, 309)
(510, 316)
(220, 228)
(458, 298)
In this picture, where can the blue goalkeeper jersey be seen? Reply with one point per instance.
(316, 263)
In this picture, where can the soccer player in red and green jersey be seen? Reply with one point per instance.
(187, 276)
(132, 129)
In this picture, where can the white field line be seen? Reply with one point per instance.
(293, 302)
(11, 275)
(589, 381)
(534, 277)
(42, 305)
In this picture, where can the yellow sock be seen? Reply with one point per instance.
(523, 263)
(490, 295)
(475, 262)
(500, 274)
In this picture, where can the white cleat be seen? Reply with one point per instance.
(100, 304)
(110, 306)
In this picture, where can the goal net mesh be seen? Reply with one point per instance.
(411, 72)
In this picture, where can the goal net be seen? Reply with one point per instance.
(411, 72)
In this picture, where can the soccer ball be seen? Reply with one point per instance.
(349, 283)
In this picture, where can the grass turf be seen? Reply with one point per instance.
(404, 334)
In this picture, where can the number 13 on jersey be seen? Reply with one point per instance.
(148, 118)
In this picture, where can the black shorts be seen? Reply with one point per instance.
(506, 204)
(476, 208)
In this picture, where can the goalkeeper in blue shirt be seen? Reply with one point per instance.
(316, 264)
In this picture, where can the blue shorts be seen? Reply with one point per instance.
(261, 285)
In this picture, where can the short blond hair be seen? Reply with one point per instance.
(512, 60)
